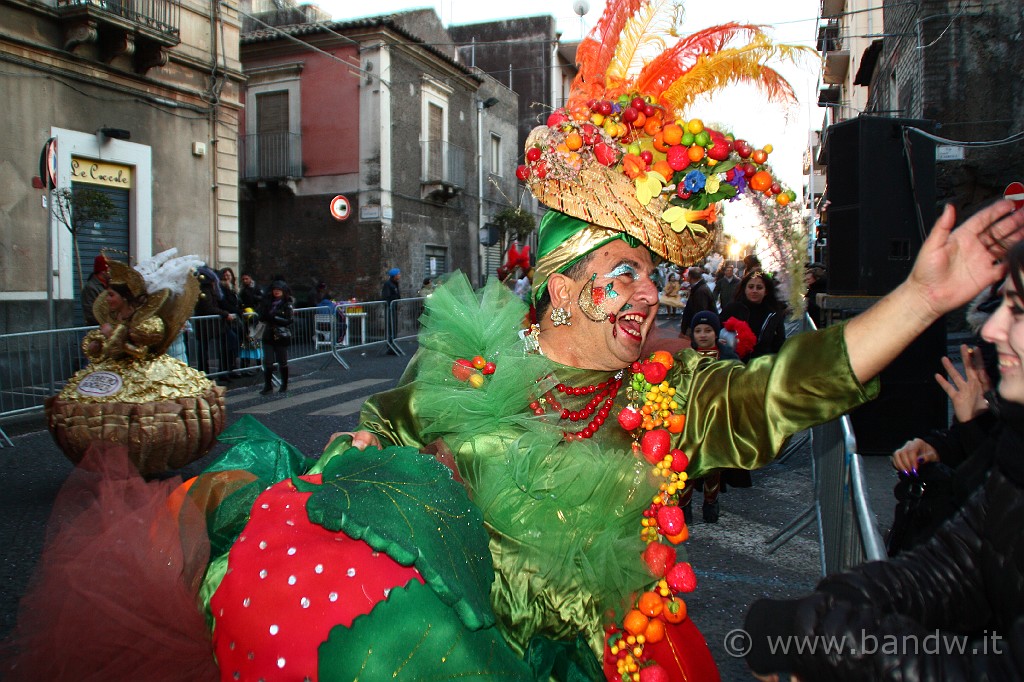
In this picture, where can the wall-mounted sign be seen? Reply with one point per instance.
(340, 208)
(101, 173)
(1015, 193)
(48, 164)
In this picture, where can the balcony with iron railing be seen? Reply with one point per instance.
(443, 169)
(833, 44)
(142, 30)
(270, 156)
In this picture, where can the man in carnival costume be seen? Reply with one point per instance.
(511, 508)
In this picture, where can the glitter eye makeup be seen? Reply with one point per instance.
(609, 290)
(623, 269)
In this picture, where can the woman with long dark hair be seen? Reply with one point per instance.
(756, 304)
(276, 314)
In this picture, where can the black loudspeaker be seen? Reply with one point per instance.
(881, 194)
(880, 206)
(911, 403)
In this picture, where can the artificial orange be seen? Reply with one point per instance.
(674, 610)
(695, 153)
(673, 133)
(573, 141)
(665, 170)
(663, 357)
(760, 181)
(635, 622)
(652, 126)
(649, 604)
(676, 422)
(655, 631)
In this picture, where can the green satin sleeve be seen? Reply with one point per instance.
(392, 415)
(740, 416)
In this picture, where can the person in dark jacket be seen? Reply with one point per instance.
(390, 292)
(94, 286)
(249, 294)
(210, 303)
(814, 278)
(231, 326)
(963, 589)
(701, 298)
(757, 305)
(276, 313)
(941, 469)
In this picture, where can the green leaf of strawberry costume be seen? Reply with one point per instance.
(428, 641)
(406, 505)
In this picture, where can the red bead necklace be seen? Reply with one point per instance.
(604, 395)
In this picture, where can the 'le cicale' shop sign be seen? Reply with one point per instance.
(101, 173)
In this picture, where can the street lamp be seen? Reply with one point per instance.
(480, 106)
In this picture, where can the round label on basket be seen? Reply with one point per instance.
(100, 384)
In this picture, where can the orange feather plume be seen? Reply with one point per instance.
(596, 51)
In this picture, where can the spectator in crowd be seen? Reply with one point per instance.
(670, 295)
(426, 289)
(814, 278)
(704, 332)
(94, 286)
(232, 323)
(726, 285)
(700, 298)
(250, 294)
(750, 264)
(939, 470)
(389, 292)
(209, 303)
(966, 582)
(276, 313)
(757, 305)
(523, 286)
(328, 306)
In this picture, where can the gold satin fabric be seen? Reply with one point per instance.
(737, 416)
(579, 244)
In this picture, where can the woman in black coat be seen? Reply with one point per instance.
(756, 304)
(276, 313)
(950, 609)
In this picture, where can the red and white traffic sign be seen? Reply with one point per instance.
(340, 208)
(1015, 193)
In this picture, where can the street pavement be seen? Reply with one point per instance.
(730, 557)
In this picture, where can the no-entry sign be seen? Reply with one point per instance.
(1015, 193)
(340, 208)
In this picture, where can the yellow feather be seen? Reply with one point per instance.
(735, 65)
(640, 36)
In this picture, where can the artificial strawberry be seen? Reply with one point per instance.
(659, 558)
(653, 673)
(630, 418)
(655, 444)
(654, 372)
(679, 460)
(289, 582)
(605, 154)
(681, 578)
(670, 519)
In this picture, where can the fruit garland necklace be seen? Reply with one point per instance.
(652, 424)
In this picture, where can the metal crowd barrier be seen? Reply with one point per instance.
(36, 365)
(847, 532)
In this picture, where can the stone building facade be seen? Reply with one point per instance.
(959, 65)
(381, 112)
(141, 103)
